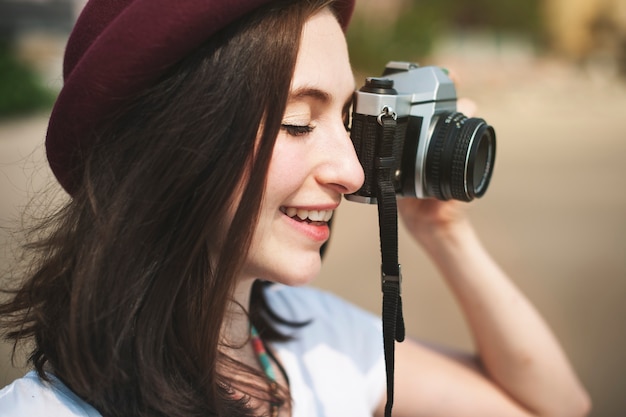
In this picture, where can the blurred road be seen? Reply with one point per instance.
(554, 217)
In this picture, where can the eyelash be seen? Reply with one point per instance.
(301, 130)
(297, 130)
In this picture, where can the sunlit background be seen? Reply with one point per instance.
(549, 75)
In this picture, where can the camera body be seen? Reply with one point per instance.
(437, 151)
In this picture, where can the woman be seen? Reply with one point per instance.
(204, 147)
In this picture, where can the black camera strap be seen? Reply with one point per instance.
(391, 278)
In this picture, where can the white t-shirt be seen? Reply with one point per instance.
(30, 396)
(335, 364)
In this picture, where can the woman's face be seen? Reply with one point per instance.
(313, 162)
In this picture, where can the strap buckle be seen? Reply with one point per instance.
(384, 278)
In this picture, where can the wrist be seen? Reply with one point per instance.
(444, 238)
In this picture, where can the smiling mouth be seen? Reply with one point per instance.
(309, 216)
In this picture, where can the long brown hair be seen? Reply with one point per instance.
(126, 301)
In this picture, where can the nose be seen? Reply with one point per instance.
(341, 169)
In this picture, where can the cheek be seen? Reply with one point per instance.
(286, 172)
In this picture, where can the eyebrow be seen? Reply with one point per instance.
(314, 93)
(309, 92)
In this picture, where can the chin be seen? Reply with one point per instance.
(298, 279)
(283, 264)
(297, 273)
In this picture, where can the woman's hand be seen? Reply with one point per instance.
(428, 218)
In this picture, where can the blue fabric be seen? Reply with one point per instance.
(335, 364)
(29, 396)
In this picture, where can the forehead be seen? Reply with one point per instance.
(323, 61)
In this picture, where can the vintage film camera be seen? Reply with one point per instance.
(437, 151)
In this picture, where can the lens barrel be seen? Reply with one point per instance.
(460, 158)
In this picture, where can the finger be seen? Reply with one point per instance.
(466, 106)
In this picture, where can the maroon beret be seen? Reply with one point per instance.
(119, 47)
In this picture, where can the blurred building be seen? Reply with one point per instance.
(588, 30)
(18, 17)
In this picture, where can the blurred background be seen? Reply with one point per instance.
(549, 75)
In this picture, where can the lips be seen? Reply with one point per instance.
(309, 216)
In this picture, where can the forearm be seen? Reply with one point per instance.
(515, 346)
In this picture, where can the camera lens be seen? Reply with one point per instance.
(460, 157)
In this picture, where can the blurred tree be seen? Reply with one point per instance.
(20, 89)
(511, 16)
(411, 36)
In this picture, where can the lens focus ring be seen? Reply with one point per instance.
(460, 158)
(458, 169)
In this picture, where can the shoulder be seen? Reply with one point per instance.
(335, 362)
(31, 396)
(336, 329)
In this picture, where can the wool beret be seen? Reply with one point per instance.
(119, 47)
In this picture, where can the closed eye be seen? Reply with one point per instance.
(297, 130)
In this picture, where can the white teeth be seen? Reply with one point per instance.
(303, 214)
(312, 215)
